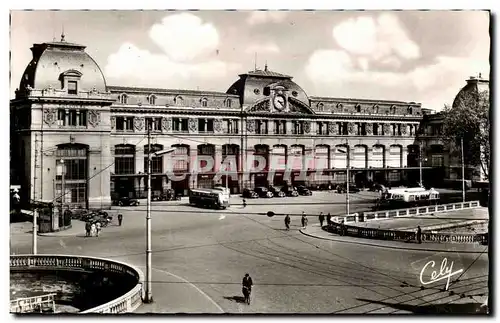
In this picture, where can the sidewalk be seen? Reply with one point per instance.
(316, 232)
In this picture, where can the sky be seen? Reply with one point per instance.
(419, 56)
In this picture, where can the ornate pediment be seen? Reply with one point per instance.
(296, 106)
(261, 106)
(293, 106)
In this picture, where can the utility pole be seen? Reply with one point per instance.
(35, 211)
(348, 179)
(463, 169)
(149, 294)
(420, 163)
(35, 232)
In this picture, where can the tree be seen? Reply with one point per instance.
(469, 118)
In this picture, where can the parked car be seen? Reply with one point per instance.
(250, 194)
(263, 192)
(127, 201)
(326, 187)
(290, 191)
(377, 188)
(302, 190)
(341, 188)
(277, 191)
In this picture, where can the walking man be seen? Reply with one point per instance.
(287, 222)
(97, 228)
(244, 203)
(87, 229)
(120, 219)
(329, 219)
(321, 219)
(419, 234)
(304, 220)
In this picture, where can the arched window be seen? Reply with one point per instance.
(227, 103)
(378, 156)
(204, 102)
(278, 157)
(393, 109)
(123, 98)
(178, 100)
(375, 109)
(156, 162)
(72, 169)
(410, 110)
(358, 108)
(124, 159)
(320, 106)
(152, 99)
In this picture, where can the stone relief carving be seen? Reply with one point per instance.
(404, 129)
(369, 128)
(94, 118)
(387, 129)
(166, 124)
(307, 127)
(263, 106)
(350, 128)
(218, 125)
(332, 129)
(297, 108)
(139, 123)
(250, 126)
(193, 125)
(49, 116)
(113, 123)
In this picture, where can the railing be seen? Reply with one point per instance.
(123, 304)
(372, 233)
(30, 304)
(380, 215)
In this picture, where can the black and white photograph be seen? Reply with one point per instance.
(323, 162)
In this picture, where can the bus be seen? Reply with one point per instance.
(401, 198)
(210, 197)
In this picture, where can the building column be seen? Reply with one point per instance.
(139, 184)
(193, 166)
(217, 163)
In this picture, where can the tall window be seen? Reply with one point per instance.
(279, 127)
(375, 129)
(205, 125)
(358, 108)
(261, 127)
(61, 117)
(72, 118)
(153, 123)
(180, 124)
(72, 87)
(156, 162)
(297, 127)
(152, 99)
(322, 128)
(342, 128)
(125, 123)
(227, 103)
(124, 159)
(231, 126)
(123, 99)
(204, 102)
(180, 159)
(71, 174)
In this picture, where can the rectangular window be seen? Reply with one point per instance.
(72, 87)
(156, 165)
(231, 126)
(154, 124)
(210, 125)
(120, 123)
(61, 117)
(363, 129)
(129, 124)
(375, 129)
(124, 165)
(72, 118)
(279, 127)
(201, 125)
(261, 127)
(180, 124)
(82, 121)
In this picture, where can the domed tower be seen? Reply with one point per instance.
(60, 127)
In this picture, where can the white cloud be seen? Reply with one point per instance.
(375, 39)
(148, 69)
(363, 63)
(391, 61)
(262, 17)
(432, 83)
(263, 48)
(184, 36)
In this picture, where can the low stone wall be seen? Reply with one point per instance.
(93, 285)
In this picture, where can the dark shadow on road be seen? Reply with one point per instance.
(237, 299)
(464, 308)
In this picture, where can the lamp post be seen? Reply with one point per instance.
(463, 169)
(149, 294)
(347, 169)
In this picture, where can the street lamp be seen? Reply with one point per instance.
(463, 169)
(347, 168)
(420, 158)
(149, 295)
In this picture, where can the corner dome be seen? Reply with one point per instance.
(474, 85)
(53, 60)
(251, 86)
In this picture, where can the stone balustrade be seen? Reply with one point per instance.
(123, 304)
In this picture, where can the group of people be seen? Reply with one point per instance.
(93, 227)
(304, 220)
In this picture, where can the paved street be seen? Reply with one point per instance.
(200, 257)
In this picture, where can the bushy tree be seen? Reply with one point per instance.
(469, 118)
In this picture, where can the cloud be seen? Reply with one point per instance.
(263, 17)
(375, 39)
(184, 37)
(187, 44)
(262, 48)
(147, 69)
(438, 81)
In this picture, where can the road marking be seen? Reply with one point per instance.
(222, 217)
(192, 285)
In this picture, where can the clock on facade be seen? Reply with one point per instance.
(279, 102)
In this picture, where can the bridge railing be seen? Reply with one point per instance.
(124, 304)
(380, 215)
(29, 304)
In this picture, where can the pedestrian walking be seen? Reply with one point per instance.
(304, 220)
(321, 219)
(98, 228)
(87, 229)
(419, 234)
(287, 222)
(92, 229)
(244, 203)
(120, 219)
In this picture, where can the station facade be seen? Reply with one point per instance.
(72, 132)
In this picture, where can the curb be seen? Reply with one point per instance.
(386, 246)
